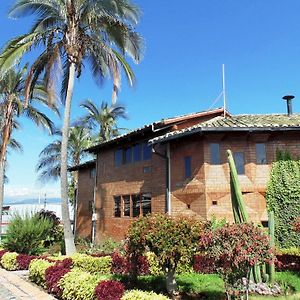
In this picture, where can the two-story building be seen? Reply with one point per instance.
(179, 166)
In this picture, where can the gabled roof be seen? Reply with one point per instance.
(155, 127)
(268, 122)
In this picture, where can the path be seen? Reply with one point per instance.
(14, 286)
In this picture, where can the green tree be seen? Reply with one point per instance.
(48, 166)
(12, 106)
(71, 31)
(103, 120)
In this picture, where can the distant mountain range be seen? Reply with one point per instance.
(32, 201)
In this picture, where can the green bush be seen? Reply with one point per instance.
(9, 261)
(37, 269)
(140, 295)
(289, 281)
(26, 233)
(289, 251)
(283, 197)
(154, 267)
(100, 265)
(79, 285)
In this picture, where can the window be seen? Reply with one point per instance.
(127, 155)
(146, 204)
(118, 157)
(147, 169)
(135, 205)
(137, 152)
(126, 200)
(188, 166)
(261, 157)
(147, 152)
(93, 173)
(117, 200)
(215, 154)
(239, 160)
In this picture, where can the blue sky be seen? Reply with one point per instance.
(186, 45)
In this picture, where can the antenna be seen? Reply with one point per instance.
(222, 94)
(224, 89)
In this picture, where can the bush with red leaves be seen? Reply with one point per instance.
(122, 265)
(23, 261)
(109, 290)
(2, 252)
(204, 264)
(54, 273)
(287, 262)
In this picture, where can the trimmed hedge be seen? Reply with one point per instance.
(141, 295)
(9, 261)
(23, 261)
(100, 265)
(37, 269)
(78, 285)
(109, 290)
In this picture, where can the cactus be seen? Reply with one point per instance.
(238, 205)
(271, 226)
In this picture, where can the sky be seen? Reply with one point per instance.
(186, 43)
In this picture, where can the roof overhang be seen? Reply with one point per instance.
(88, 164)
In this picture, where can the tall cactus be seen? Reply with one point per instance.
(271, 266)
(239, 209)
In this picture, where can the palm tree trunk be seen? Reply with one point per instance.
(2, 172)
(68, 234)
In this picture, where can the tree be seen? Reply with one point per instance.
(103, 120)
(71, 31)
(12, 106)
(48, 165)
(171, 239)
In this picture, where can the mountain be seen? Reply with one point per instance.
(32, 201)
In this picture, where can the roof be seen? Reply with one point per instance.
(268, 122)
(87, 164)
(154, 127)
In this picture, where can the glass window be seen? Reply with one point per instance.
(215, 153)
(93, 173)
(127, 155)
(239, 160)
(135, 205)
(117, 200)
(126, 200)
(147, 152)
(146, 203)
(118, 157)
(147, 169)
(261, 157)
(188, 166)
(137, 152)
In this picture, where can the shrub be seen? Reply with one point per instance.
(9, 261)
(53, 275)
(2, 252)
(204, 264)
(235, 249)
(154, 267)
(290, 251)
(23, 261)
(287, 262)
(109, 290)
(37, 269)
(140, 295)
(78, 285)
(101, 265)
(297, 225)
(26, 233)
(170, 239)
(283, 197)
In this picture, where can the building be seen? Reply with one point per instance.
(179, 166)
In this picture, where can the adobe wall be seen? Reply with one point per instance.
(85, 196)
(125, 180)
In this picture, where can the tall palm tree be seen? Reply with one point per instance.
(48, 165)
(12, 88)
(103, 120)
(98, 31)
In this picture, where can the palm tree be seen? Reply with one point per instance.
(12, 88)
(48, 165)
(98, 31)
(103, 120)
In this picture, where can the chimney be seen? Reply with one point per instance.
(289, 99)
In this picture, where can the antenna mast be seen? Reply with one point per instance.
(224, 89)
